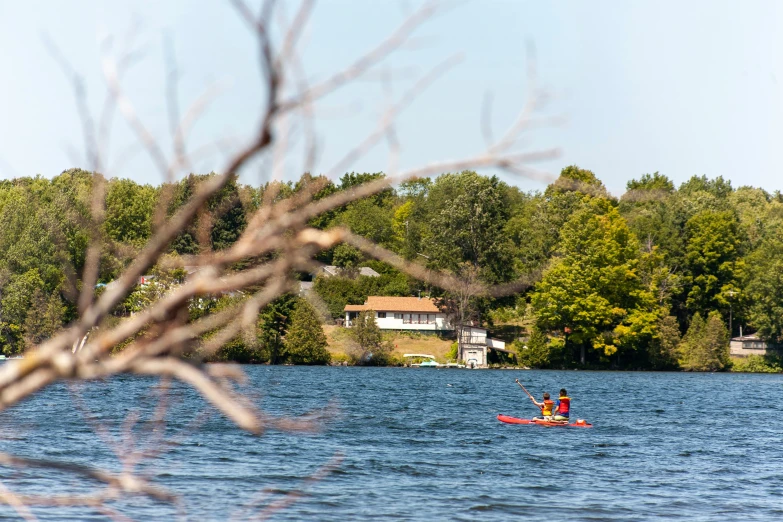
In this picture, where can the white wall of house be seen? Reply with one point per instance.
(408, 321)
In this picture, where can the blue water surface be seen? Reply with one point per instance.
(421, 444)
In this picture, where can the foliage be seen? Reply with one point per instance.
(705, 347)
(337, 292)
(464, 219)
(373, 350)
(711, 259)
(452, 354)
(129, 209)
(619, 280)
(305, 341)
(593, 292)
(758, 364)
(662, 350)
(44, 317)
(763, 288)
(273, 323)
(537, 352)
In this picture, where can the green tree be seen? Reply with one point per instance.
(320, 187)
(370, 220)
(354, 179)
(227, 215)
(711, 259)
(372, 349)
(465, 216)
(652, 210)
(18, 294)
(305, 342)
(273, 323)
(15, 305)
(705, 346)
(129, 208)
(537, 351)
(593, 293)
(662, 351)
(651, 182)
(44, 318)
(763, 288)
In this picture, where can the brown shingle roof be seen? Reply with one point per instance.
(395, 304)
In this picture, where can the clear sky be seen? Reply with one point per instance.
(678, 87)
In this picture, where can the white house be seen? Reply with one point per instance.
(401, 313)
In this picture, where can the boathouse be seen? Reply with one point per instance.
(475, 344)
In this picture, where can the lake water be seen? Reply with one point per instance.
(424, 444)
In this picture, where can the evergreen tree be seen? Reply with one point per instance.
(372, 349)
(662, 349)
(305, 342)
(716, 343)
(538, 352)
(44, 317)
(688, 350)
(705, 347)
(273, 322)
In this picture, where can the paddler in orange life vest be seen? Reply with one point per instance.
(562, 407)
(546, 407)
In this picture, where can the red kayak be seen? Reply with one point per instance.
(580, 423)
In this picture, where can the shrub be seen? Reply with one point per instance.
(758, 364)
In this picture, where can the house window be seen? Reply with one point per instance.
(398, 316)
(430, 318)
(381, 315)
(406, 319)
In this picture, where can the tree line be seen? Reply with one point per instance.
(658, 278)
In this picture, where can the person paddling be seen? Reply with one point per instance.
(546, 407)
(562, 406)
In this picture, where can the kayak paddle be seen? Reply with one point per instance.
(523, 388)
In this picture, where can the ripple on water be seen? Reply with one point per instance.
(426, 446)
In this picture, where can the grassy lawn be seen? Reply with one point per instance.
(340, 341)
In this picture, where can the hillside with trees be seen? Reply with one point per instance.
(654, 279)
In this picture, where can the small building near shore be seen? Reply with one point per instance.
(752, 344)
(475, 343)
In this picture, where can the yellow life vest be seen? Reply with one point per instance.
(546, 409)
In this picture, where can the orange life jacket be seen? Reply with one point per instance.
(546, 409)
